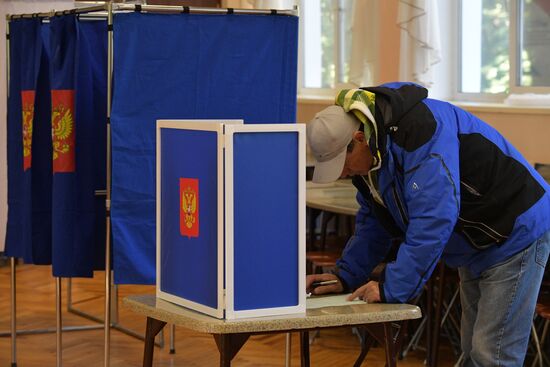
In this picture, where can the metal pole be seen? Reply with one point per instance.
(13, 316)
(172, 339)
(59, 326)
(114, 304)
(288, 349)
(107, 325)
(13, 325)
(69, 293)
(59, 13)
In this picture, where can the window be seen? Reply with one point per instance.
(325, 44)
(534, 43)
(505, 47)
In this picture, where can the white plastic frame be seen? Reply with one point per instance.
(230, 130)
(202, 125)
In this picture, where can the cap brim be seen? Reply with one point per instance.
(329, 171)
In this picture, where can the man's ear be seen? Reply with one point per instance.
(359, 136)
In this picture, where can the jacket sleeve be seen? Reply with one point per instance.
(431, 194)
(364, 250)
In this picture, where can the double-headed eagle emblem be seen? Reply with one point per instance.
(28, 116)
(62, 128)
(189, 206)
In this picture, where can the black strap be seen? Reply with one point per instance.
(273, 11)
(109, 27)
(138, 8)
(230, 10)
(7, 36)
(185, 10)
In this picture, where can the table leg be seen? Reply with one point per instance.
(304, 348)
(366, 343)
(229, 345)
(389, 344)
(154, 326)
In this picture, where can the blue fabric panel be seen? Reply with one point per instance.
(189, 265)
(79, 63)
(187, 66)
(265, 220)
(28, 232)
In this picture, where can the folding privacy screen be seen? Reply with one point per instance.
(166, 66)
(231, 217)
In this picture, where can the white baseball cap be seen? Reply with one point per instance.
(328, 136)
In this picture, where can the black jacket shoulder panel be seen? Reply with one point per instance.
(415, 129)
(401, 100)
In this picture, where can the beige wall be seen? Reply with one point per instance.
(389, 42)
(528, 129)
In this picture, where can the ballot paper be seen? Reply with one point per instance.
(330, 301)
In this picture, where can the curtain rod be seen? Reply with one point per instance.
(153, 8)
(57, 13)
(194, 9)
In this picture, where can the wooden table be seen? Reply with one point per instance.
(230, 336)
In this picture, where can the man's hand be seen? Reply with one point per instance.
(324, 289)
(369, 293)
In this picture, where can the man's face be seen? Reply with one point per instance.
(358, 158)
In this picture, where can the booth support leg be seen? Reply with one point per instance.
(13, 316)
(172, 339)
(59, 323)
(288, 349)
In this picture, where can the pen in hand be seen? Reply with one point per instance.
(323, 283)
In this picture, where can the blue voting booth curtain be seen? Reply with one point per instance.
(186, 66)
(28, 232)
(78, 118)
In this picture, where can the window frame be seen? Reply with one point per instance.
(515, 43)
(339, 50)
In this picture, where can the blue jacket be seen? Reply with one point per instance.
(452, 188)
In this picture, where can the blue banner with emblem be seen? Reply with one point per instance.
(186, 66)
(78, 120)
(28, 234)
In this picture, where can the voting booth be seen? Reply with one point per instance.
(231, 217)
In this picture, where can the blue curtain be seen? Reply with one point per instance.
(28, 232)
(186, 66)
(78, 115)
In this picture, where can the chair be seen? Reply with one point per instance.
(441, 312)
(320, 256)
